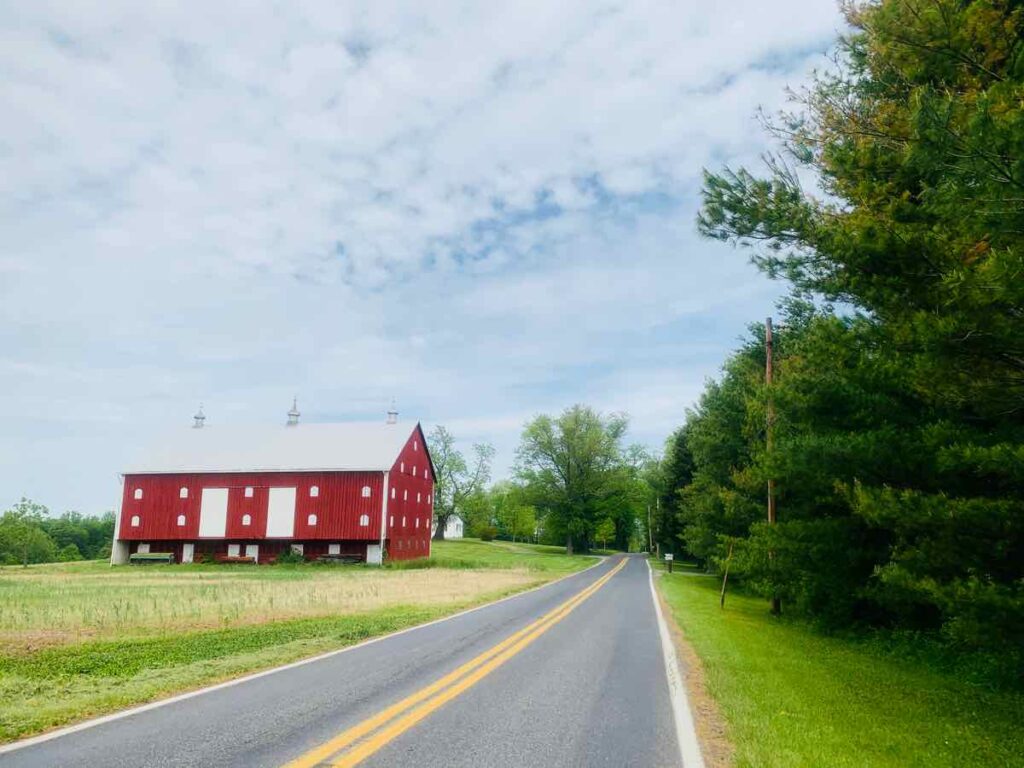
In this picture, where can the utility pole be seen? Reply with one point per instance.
(650, 533)
(770, 421)
(657, 514)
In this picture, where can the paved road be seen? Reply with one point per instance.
(587, 688)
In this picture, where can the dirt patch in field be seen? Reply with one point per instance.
(712, 732)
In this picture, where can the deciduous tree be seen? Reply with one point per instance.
(573, 468)
(455, 480)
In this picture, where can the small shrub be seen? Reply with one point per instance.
(69, 554)
(289, 557)
(488, 533)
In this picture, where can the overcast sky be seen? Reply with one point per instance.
(484, 213)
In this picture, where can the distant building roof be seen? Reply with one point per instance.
(348, 447)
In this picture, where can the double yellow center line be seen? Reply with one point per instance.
(360, 741)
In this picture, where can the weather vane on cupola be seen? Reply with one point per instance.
(200, 417)
(293, 414)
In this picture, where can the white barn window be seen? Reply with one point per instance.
(418, 499)
(417, 522)
(403, 466)
(311, 520)
(248, 492)
(234, 550)
(366, 491)
(246, 519)
(392, 523)
(405, 495)
(415, 445)
(136, 521)
(334, 549)
(403, 521)
(314, 490)
(138, 493)
(181, 519)
(364, 520)
(392, 493)
(183, 492)
(143, 548)
(414, 470)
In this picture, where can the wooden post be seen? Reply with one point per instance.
(770, 421)
(725, 575)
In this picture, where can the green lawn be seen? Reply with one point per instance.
(83, 639)
(793, 697)
(473, 553)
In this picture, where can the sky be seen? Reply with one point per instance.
(484, 211)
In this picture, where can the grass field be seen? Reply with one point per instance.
(473, 553)
(793, 697)
(81, 639)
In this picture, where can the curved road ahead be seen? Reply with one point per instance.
(572, 674)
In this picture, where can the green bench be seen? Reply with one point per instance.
(347, 559)
(148, 558)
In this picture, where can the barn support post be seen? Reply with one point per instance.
(384, 515)
(118, 548)
(119, 552)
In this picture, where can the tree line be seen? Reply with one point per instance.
(575, 483)
(29, 535)
(896, 410)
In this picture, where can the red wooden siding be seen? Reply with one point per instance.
(338, 505)
(412, 501)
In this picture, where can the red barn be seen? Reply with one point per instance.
(356, 489)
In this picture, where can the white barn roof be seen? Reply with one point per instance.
(348, 447)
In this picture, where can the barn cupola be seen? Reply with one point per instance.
(293, 414)
(392, 413)
(200, 418)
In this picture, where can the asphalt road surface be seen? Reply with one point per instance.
(568, 675)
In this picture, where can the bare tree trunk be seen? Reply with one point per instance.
(441, 525)
(568, 544)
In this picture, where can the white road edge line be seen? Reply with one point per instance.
(686, 733)
(85, 725)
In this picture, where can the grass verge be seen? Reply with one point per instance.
(794, 697)
(473, 553)
(57, 684)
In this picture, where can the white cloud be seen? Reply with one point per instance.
(484, 212)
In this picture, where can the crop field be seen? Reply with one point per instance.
(81, 639)
(69, 603)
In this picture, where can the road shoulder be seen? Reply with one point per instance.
(716, 749)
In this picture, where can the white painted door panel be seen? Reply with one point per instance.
(213, 513)
(281, 513)
(373, 554)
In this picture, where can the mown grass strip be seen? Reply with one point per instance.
(794, 697)
(60, 685)
(118, 660)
